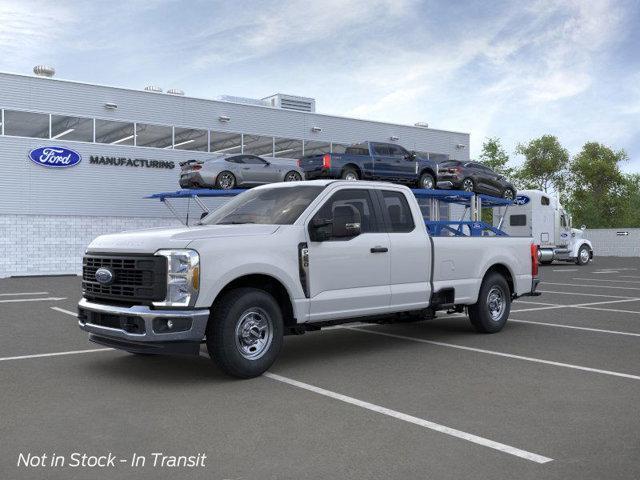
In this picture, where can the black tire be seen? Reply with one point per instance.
(546, 262)
(225, 180)
(509, 194)
(427, 181)
(468, 185)
(293, 176)
(350, 173)
(480, 314)
(583, 258)
(225, 342)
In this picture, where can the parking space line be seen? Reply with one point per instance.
(608, 309)
(565, 270)
(62, 310)
(485, 442)
(535, 303)
(540, 308)
(499, 354)
(56, 354)
(605, 280)
(573, 327)
(22, 293)
(591, 286)
(587, 294)
(45, 299)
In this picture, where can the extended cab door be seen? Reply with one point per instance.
(404, 165)
(410, 251)
(382, 161)
(348, 272)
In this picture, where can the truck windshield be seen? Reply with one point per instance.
(266, 206)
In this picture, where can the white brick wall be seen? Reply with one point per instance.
(608, 243)
(50, 245)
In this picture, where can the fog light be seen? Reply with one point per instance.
(171, 325)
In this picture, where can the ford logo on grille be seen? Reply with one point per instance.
(104, 276)
(56, 157)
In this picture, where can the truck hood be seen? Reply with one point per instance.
(151, 240)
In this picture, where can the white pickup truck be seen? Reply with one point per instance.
(290, 257)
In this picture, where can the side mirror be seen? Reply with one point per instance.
(203, 214)
(320, 229)
(342, 229)
(583, 227)
(267, 163)
(410, 156)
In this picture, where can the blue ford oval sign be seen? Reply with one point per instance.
(521, 200)
(56, 157)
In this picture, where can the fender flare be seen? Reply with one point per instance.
(578, 245)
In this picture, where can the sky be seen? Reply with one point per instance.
(514, 70)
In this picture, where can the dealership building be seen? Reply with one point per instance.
(129, 144)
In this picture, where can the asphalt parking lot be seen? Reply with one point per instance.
(554, 395)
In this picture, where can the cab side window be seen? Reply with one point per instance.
(381, 150)
(399, 212)
(349, 206)
(544, 200)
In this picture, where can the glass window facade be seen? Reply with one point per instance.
(72, 128)
(26, 124)
(157, 136)
(225, 142)
(258, 145)
(191, 139)
(287, 148)
(115, 133)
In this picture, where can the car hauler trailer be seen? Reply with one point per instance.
(539, 215)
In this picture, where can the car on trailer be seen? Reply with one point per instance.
(373, 161)
(474, 177)
(226, 172)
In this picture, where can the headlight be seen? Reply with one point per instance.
(183, 278)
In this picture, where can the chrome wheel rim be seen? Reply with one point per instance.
(427, 183)
(508, 194)
(467, 185)
(292, 177)
(584, 255)
(350, 176)
(254, 333)
(226, 181)
(496, 303)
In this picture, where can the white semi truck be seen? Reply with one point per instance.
(539, 215)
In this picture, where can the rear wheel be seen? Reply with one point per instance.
(489, 314)
(427, 181)
(468, 185)
(225, 180)
(584, 255)
(509, 194)
(292, 176)
(350, 173)
(245, 331)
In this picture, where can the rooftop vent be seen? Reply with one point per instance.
(44, 71)
(422, 124)
(153, 88)
(175, 91)
(292, 102)
(244, 100)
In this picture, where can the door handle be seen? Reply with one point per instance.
(379, 250)
(246, 168)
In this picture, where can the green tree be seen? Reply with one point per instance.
(545, 164)
(631, 212)
(599, 193)
(495, 157)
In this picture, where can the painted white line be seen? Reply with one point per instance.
(500, 354)
(628, 276)
(539, 308)
(605, 280)
(62, 310)
(590, 286)
(605, 272)
(610, 310)
(46, 299)
(22, 293)
(587, 329)
(535, 303)
(605, 302)
(56, 354)
(566, 270)
(485, 442)
(584, 294)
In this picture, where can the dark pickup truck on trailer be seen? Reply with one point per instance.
(373, 161)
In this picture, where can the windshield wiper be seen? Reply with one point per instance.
(234, 222)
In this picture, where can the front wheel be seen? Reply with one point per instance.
(245, 331)
(427, 181)
(584, 255)
(292, 176)
(508, 194)
(468, 185)
(489, 314)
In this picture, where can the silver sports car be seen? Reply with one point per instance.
(238, 170)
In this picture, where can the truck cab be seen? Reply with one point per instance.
(538, 215)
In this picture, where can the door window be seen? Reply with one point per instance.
(253, 160)
(381, 150)
(349, 206)
(396, 151)
(400, 217)
(517, 220)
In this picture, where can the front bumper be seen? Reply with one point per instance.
(143, 330)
